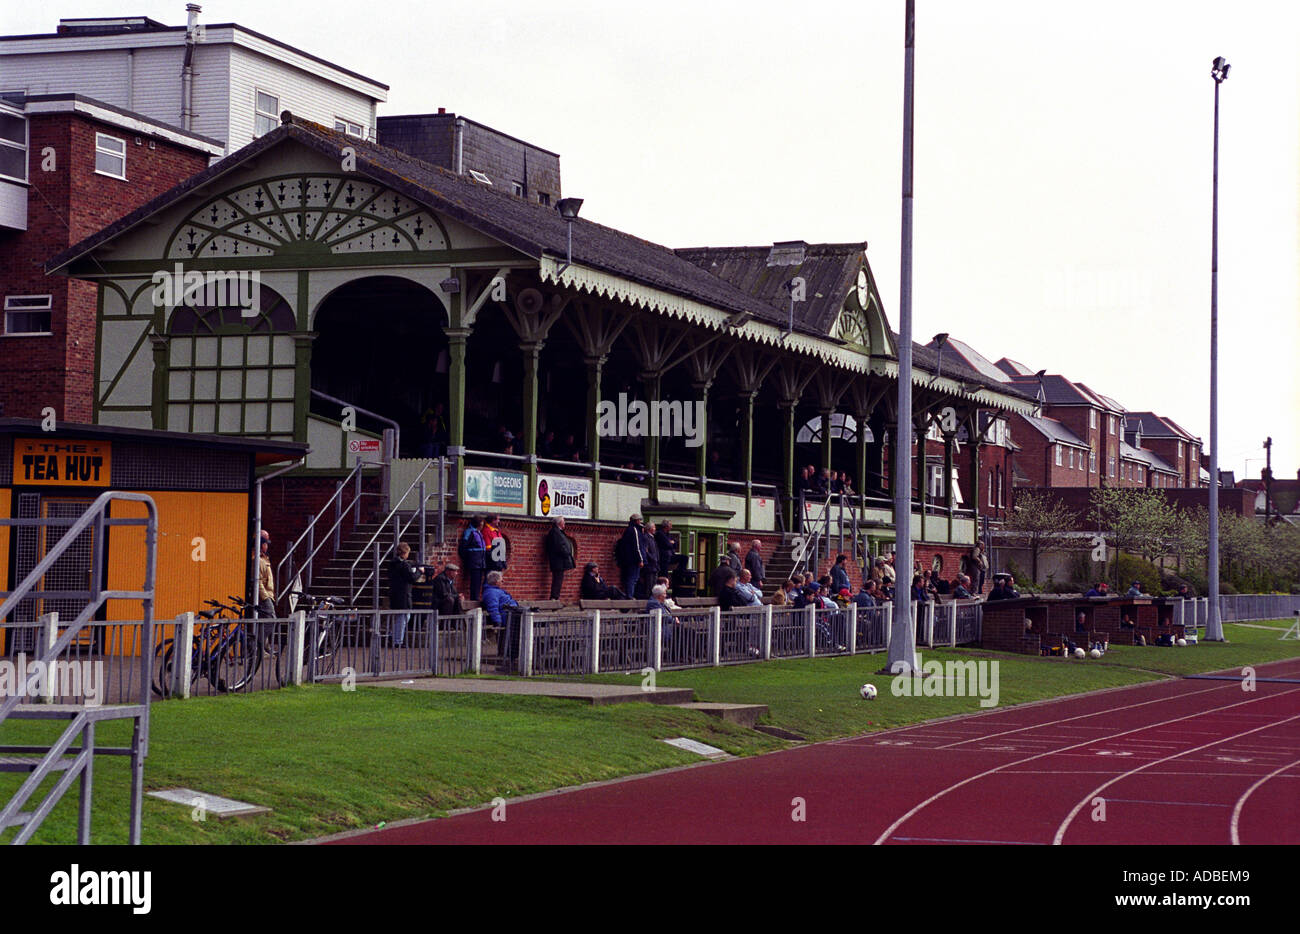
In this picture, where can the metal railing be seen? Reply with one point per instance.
(1238, 608)
(76, 763)
(418, 515)
(350, 643)
(333, 536)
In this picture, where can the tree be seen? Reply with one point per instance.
(1041, 521)
(1189, 538)
(1138, 521)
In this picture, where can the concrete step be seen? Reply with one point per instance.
(746, 715)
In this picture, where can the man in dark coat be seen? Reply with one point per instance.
(630, 554)
(401, 575)
(754, 564)
(667, 547)
(559, 554)
(593, 586)
(650, 570)
(446, 600)
(733, 558)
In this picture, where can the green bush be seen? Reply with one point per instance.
(1132, 569)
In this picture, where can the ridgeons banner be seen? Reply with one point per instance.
(569, 497)
(494, 488)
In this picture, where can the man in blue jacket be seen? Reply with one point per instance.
(495, 602)
(473, 553)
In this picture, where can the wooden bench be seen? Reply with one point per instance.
(623, 605)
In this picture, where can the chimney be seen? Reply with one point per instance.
(193, 10)
(442, 110)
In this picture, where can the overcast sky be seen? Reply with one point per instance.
(1063, 157)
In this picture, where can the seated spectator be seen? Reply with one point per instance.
(785, 596)
(1004, 588)
(495, 599)
(1081, 623)
(920, 593)
(446, 600)
(843, 598)
(1099, 589)
(937, 584)
(658, 600)
(672, 605)
(593, 586)
(877, 574)
(728, 596)
(961, 590)
(866, 597)
(746, 588)
(846, 484)
(1135, 590)
(886, 591)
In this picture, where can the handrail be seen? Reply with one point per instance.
(343, 484)
(384, 522)
(397, 429)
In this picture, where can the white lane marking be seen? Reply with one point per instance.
(1236, 811)
(1084, 716)
(889, 831)
(1069, 818)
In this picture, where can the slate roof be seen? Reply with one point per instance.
(1150, 458)
(973, 359)
(1013, 368)
(1054, 431)
(1157, 426)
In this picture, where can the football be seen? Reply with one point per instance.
(1078, 653)
(868, 692)
(1095, 653)
(1182, 641)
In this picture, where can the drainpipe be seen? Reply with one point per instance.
(257, 524)
(187, 70)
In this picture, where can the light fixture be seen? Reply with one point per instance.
(568, 208)
(450, 285)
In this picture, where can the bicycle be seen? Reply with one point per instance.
(222, 650)
(328, 617)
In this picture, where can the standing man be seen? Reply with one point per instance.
(473, 552)
(559, 554)
(978, 564)
(630, 554)
(650, 570)
(401, 575)
(754, 563)
(733, 558)
(840, 575)
(667, 547)
(265, 579)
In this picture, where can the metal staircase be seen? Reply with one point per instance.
(73, 753)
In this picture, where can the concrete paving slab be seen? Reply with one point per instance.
(743, 714)
(594, 694)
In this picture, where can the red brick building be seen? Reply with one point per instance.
(70, 166)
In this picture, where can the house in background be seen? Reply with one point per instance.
(222, 81)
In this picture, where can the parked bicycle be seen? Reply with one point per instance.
(225, 650)
(327, 619)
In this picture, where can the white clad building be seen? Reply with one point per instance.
(222, 81)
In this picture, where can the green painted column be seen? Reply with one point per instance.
(787, 459)
(532, 351)
(301, 385)
(748, 457)
(921, 477)
(456, 340)
(651, 383)
(595, 367)
(826, 436)
(160, 363)
(702, 452)
(948, 439)
(860, 481)
(975, 472)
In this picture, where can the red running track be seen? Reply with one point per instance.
(1171, 762)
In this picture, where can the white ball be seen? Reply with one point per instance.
(1095, 653)
(1182, 641)
(868, 692)
(1078, 653)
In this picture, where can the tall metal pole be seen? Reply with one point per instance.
(902, 642)
(1213, 624)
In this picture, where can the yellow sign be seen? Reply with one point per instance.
(61, 462)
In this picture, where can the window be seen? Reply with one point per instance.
(1180, 449)
(348, 127)
(1071, 458)
(110, 155)
(267, 113)
(543, 198)
(517, 189)
(13, 147)
(1001, 501)
(27, 314)
(1112, 424)
(1092, 461)
(1092, 418)
(1059, 456)
(1110, 466)
(992, 501)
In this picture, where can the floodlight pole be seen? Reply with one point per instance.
(1213, 623)
(902, 642)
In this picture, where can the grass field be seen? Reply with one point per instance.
(327, 760)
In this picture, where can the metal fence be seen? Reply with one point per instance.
(344, 643)
(1238, 608)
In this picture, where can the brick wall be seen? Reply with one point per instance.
(65, 206)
